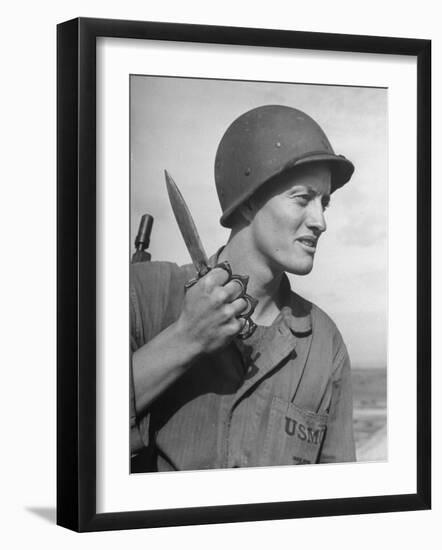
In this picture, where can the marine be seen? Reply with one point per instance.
(213, 386)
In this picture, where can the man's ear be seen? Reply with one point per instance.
(247, 210)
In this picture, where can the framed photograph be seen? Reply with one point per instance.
(243, 274)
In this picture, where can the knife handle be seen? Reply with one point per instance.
(222, 265)
(191, 282)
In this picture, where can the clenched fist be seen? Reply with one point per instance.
(210, 311)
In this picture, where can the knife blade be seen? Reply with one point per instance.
(187, 227)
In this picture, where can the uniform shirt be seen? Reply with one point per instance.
(281, 397)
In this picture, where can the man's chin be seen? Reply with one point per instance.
(300, 269)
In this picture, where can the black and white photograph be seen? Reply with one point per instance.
(225, 332)
(258, 274)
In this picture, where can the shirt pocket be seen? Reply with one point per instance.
(294, 435)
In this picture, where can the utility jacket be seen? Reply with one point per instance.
(281, 397)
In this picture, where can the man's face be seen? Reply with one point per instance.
(288, 218)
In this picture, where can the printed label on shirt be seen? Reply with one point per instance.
(294, 435)
(304, 433)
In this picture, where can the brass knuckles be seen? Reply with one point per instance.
(249, 326)
(251, 305)
(222, 265)
(243, 281)
(250, 301)
(193, 281)
(226, 266)
(247, 330)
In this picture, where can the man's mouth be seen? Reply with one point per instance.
(308, 242)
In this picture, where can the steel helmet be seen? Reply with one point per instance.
(264, 143)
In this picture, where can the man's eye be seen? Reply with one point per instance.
(302, 199)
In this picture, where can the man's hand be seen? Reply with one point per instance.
(208, 321)
(209, 318)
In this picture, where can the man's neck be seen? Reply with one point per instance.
(264, 283)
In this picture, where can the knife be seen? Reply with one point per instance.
(198, 255)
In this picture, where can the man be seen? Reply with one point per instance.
(201, 396)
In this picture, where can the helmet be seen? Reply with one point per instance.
(264, 143)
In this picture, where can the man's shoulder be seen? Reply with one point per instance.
(321, 321)
(156, 296)
(160, 274)
(159, 284)
(323, 318)
(324, 331)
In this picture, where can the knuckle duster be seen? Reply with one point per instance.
(240, 305)
(235, 307)
(225, 266)
(221, 276)
(241, 281)
(239, 287)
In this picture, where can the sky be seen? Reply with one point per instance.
(177, 123)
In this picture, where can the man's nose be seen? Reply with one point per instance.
(315, 216)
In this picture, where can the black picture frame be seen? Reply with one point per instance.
(76, 273)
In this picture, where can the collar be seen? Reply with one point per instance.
(296, 312)
(269, 346)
